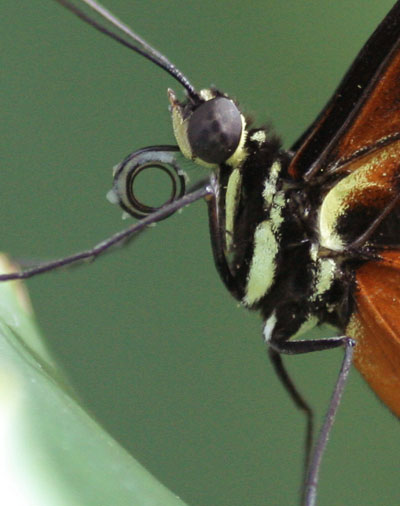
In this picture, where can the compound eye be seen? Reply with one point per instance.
(214, 130)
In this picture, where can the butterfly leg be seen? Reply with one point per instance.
(298, 400)
(311, 483)
(297, 347)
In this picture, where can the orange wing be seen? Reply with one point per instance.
(378, 118)
(375, 325)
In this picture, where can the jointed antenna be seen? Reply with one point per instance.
(142, 47)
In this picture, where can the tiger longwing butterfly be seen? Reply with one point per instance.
(310, 235)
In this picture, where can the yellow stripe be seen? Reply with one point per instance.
(262, 270)
(231, 203)
(266, 244)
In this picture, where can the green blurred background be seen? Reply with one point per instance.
(150, 339)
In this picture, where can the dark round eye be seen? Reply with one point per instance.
(214, 130)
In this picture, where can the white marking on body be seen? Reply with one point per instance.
(269, 327)
(260, 136)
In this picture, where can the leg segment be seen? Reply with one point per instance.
(313, 461)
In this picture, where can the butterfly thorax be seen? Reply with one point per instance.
(269, 224)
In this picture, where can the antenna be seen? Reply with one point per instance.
(140, 46)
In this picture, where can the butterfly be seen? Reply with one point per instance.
(329, 203)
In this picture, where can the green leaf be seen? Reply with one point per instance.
(51, 451)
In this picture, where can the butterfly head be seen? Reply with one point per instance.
(209, 130)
